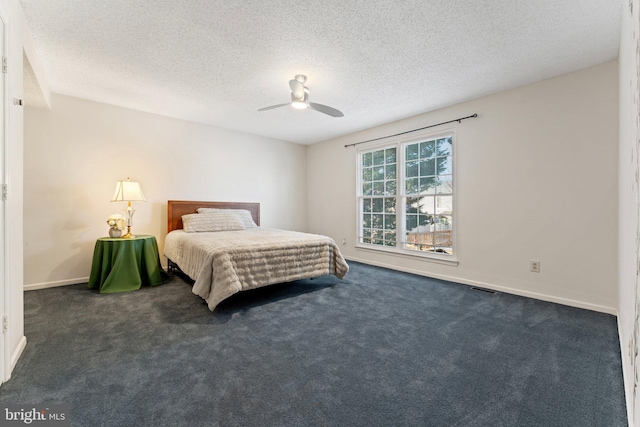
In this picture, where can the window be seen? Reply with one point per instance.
(405, 196)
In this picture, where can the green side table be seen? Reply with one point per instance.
(121, 265)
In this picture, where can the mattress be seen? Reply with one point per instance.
(226, 262)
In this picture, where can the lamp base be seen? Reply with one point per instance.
(128, 235)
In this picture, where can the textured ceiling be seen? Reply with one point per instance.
(218, 61)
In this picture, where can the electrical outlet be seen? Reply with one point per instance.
(534, 266)
(344, 241)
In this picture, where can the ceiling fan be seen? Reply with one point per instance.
(300, 98)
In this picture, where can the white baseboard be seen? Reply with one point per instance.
(505, 289)
(15, 356)
(534, 295)
(627, 377)
(55, 284)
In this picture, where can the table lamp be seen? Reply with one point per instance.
(128, 191)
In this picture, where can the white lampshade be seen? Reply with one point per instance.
(128, 191)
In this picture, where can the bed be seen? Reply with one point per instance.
(240, 255)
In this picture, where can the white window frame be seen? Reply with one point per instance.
(399, 143)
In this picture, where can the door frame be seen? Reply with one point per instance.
(5, 291)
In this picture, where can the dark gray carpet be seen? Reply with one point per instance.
(379, 348)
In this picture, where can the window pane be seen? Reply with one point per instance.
(378, 188)
(377, 221)
(428, 185)
(378, 174)
(390, 205)
(412, 152)
(419, 240)
(424, 220)
(412, 222)
(427, 149)
(412, 169)
(445, 184)
(366, 221)
(390, 238)
(390, 222)
(390, 172)
(444, 146)
(411, 205)
(444, 166)
(426, 205)
(426, 240)
(367, 174)
(412, 186)
(444, 222)
(367, 159)
(366, 232)
(390, 155)
(378, 157)
(390, 188)
(444, 234)
(427, 167)
(367, 189)
(444, 205)
(366, 205)
(443, 241)
(377, 205)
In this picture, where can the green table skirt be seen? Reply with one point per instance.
(121, 265)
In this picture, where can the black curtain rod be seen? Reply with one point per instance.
(413, 130)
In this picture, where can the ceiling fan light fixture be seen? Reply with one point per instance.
(300, 102)
(299, 105)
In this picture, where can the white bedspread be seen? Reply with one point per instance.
(226, 262)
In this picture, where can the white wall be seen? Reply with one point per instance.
(14, 178)
(629, 199)
(75, 153)
(536, 178)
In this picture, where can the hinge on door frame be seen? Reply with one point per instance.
(5, 324)
(5, 65)
(4, 192)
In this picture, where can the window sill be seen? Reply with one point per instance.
(408, 253)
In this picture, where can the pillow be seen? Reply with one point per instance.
(212, 221)
(245, 215)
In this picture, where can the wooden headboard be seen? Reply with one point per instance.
(177, 208)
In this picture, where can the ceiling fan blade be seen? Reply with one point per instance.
(326, 110)
(297, 88)
(273, 106)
